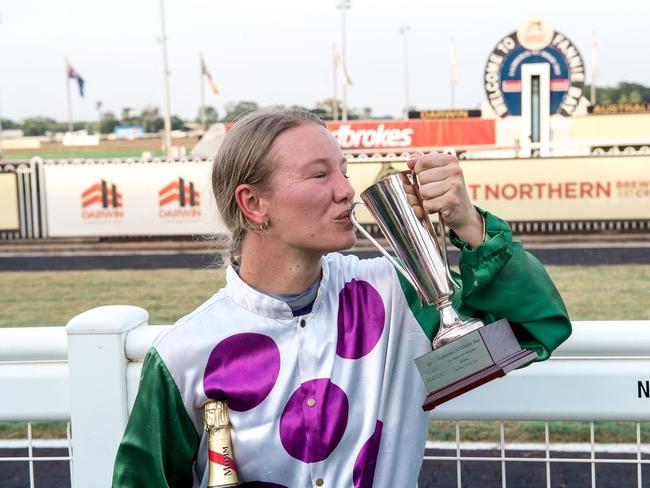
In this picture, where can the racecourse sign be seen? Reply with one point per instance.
(534, 42)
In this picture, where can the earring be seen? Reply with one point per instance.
(264, 226)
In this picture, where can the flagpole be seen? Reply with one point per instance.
(453, 78)
(335, 103)
(594, 67)
(404, 31)
(165, 81)
(202, 94)
(67, 90)
(343, 6)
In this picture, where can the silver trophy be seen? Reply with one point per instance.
(466, 353)
(421, 250)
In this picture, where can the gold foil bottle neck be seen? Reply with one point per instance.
(222, 470)
(216, 415)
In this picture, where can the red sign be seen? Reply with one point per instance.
(179, 199)
(397, 134)
(101, 201)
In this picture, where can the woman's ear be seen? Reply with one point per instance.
(253, 207)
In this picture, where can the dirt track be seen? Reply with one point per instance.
(143, 144)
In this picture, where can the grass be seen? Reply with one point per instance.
(533, 431)
(70, 154)
(604, 292)
(47, 298)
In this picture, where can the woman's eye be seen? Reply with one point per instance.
(319, 175)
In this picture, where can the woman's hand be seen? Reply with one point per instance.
(442, 188)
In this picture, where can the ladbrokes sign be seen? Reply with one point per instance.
(402, 134)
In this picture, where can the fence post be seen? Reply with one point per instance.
(98, 396)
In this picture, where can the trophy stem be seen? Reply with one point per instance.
(452, 326)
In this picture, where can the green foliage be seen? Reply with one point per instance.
(38, 126)
(211, 115)
(107, 123)
(235, 111)
(624, 92)
(8, 124)
(176, 122)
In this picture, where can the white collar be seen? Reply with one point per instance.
(262, 304)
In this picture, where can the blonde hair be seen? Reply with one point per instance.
(244, 158)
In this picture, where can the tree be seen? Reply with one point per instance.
(177, 123)
(107, 123)
(323, 108)
(211, 115)
(151, 119)
(624, 92)
(38, 126)
(8, 124)
(235, 111)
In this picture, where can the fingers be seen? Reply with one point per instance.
(451, 173)
(423, 162)
(415, 155)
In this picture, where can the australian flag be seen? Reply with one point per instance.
(72, 73)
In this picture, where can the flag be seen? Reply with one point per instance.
(206, 73)
(452, 62)
(338, 59)
(72, 74)
(594, 57)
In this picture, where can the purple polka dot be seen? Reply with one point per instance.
(360, 320)
(363, 473)
(314, 420)
(242, 369)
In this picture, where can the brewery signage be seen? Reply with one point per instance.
(534, 42)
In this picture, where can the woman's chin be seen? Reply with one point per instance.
(345, 243)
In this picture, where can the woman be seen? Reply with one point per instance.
(313, 350)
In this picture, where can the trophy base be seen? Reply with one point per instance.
(472, 360)
(456, 332)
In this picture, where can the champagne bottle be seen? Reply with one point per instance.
(222, 471)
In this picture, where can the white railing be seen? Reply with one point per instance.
(88, 373)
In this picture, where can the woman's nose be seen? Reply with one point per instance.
(344, 189)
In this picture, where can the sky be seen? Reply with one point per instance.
(280, 52)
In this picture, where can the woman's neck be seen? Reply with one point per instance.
(276, 270)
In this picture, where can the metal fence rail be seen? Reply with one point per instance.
(30, 444)
(545, 449)
(601, 373)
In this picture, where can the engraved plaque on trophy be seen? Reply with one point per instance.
(466, 353)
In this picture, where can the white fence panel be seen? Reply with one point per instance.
(89, 372)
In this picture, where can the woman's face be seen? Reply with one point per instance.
(309, 197)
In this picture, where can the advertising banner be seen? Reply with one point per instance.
(534, 42)
(108, 199)
(9, 218)
(550, 189)
(562, 188)
(402, 134)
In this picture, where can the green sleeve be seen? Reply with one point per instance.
(499, 279)
(160, 441)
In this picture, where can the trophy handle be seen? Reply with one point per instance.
(440, 239)
(367, 235)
